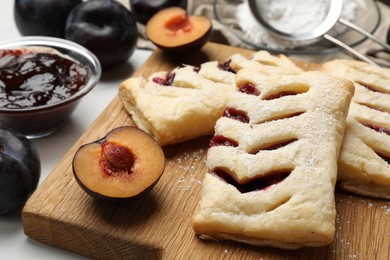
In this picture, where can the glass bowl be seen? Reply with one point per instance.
(42, 120)
(368, 18)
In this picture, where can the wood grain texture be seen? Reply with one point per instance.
(158, 225)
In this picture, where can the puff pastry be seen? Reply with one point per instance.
(272, 162)
(185, 103)
(364, 163)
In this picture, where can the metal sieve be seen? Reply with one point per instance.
(330, 20)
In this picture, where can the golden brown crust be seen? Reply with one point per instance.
(363, 168)
(193, 101)
(299, 210)
(174, 114)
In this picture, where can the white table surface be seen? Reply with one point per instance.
(14, 244)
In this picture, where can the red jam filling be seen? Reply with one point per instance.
(167, 81)
(31, 79)
(257, 184)
(274, 146)
(226, 66)
(220, 140)
(373, 107)
(236, 115)
(279, 145)
(281, 94)
(377, 128)
(249, 88)
(385, 158)
(371, 88)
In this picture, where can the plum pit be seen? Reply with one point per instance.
(122, 165)
(172, 30)
(116, 160)
(179, 22)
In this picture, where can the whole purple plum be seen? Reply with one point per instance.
(20, 170)
(43, 17)
(106, 28)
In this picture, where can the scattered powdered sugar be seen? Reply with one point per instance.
(185, 165)
(345, 244)
(291, 16)
(342, 238)
(387, 208)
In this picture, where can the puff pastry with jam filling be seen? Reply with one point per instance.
(185, 103)
(364, 163)
(272, 162)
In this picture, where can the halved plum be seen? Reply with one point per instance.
(145, 9)
(121, 165)
(172, 30)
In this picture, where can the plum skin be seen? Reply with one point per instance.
(19, 170)
(106, 28)
(145, 9)
(42, 17)
(123, 146)
(388, 36)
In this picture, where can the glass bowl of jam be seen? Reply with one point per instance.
(42, 80)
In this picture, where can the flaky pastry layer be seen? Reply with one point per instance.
(364, 163)
(185, 103)
(307, 114)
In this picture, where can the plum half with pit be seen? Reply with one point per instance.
(120, 166)
(145, 9)
(20, 170)
(43, 17)
(172, 30)
(106, 28)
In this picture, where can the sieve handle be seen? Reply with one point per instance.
(349, 49)
(365, 33)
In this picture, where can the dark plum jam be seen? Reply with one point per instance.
(226, 66)
(369, 87)
(256, 184)
(385, 158)
(167, 81)
(220, 140)
(236, 115)
(31, 78)
(281, 94)
(249, 88)
(380, 129)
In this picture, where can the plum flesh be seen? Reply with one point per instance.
(145, 9)
(122, 166)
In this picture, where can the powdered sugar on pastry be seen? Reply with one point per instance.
(273, 161)
(185, 103)
(364, 164)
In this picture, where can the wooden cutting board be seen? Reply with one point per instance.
(158, 225)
